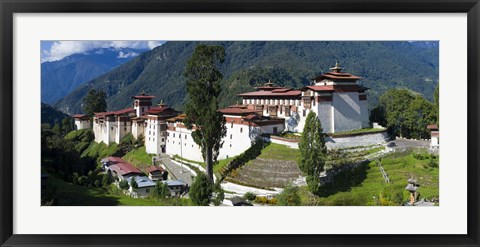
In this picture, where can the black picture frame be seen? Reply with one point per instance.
(9, 7)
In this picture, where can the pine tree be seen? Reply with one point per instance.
(313, 151)
(94, 101)
(203, 89)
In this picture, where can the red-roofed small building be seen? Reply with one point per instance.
(434, 137)
(82, 121)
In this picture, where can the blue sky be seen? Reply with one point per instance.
(56, 49)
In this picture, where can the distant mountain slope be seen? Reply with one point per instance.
(382, 65)
(51, 115)
(61, 77)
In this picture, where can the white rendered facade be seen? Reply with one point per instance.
(337, 99)
(240, 136)
(82, 121)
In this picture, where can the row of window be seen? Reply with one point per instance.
(273, 101)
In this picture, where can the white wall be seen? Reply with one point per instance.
(236, 141)
(122, 129)
(324, 114)
(82, 124)
(347, 111)
(184, 146)
(365, 114)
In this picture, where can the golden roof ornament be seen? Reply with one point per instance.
(337, 67)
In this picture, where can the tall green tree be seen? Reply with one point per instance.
(313, 151)
(203, 89)
(94, 101)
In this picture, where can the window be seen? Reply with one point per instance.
(281, 108)
(124, 128)
(230, 145)
(185, 137)
(287, 111)
(168, 133)
(111, 128)
(231, 136)
(179, 136)
(304, 112)
(163, 139)
(241, 130)
(173, 134)
(148, 138)
(231, 125)
(275, 130)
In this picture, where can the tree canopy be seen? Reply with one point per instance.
(405, 113)
(94, 101)
(203, 89)
(313, 151)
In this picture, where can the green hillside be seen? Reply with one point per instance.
(382, 65)
(51, 115)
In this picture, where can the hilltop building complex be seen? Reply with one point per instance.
(336, 97)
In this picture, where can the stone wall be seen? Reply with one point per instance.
(356, 140)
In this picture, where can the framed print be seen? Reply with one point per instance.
(149, 123)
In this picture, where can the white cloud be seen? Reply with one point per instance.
(122, 54)
(61, 49)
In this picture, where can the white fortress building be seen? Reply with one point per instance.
(336, 97)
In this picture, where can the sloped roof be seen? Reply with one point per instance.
(281, 92)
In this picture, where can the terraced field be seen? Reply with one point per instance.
(274, 167)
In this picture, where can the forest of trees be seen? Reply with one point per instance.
(406, 113)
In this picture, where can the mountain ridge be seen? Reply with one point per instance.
(382, 65)
(59, 78)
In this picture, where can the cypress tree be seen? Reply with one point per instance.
(203, 89)
(312, 151)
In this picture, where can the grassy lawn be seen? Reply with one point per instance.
(216, 168)
(100, 150)
(68, 194)
(139, 157)
(359, 186)
(280, 152)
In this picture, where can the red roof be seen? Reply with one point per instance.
(237, 111)
(115, 160)
(337, 76)
(432, 127)
(119, 112)
(156, 110)
(125, 169)
(320, 88)
(274, 93)
(79, 116)
(143, 96)
(153, 169)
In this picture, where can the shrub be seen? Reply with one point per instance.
(201, 190)
(124, 185)
(219, 194)
(289, 196)
(249, 196)
(106, 180)
(161, 190)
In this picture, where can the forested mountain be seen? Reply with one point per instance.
(61, 77)
(51, 115)
(382, 65)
